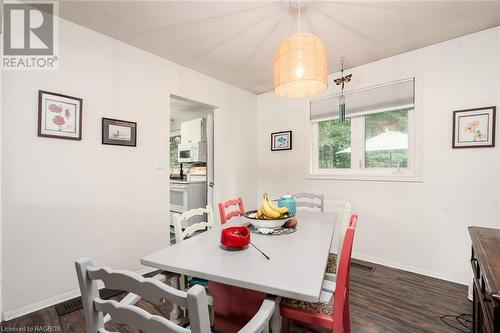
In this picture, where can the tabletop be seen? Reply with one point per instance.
(295, 270)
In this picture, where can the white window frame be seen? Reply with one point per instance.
(413, 173)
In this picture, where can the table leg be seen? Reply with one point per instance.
(276, 318)
(174, 314)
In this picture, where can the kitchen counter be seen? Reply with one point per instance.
(193, 181)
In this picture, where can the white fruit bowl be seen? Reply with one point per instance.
(269, 224)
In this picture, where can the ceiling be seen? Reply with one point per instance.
(235, 41)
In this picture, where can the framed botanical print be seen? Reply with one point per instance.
(119, 132)
(59, 116)
(474, 128)
(281, 141)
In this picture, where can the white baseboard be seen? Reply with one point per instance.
(411, 269)
(24, 310)
(27, 309)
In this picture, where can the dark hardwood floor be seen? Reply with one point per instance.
(385, 300)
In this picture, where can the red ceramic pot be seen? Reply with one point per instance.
(236, 237)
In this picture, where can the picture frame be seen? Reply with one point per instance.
(281, 141)
(474, 128)
(59, 116)
(118, 132)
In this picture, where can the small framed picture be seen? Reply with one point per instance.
(59, 116)
(119, 132)
(281, 140)
(474, 128)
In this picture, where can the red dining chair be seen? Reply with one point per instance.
(224, 205)
(334, 314)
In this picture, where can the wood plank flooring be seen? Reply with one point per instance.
(385, 300)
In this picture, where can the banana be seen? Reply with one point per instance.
(281, 210)
(268, 211)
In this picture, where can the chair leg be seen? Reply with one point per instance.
(347, 316)
(174, 314)
(275, 321)
(183, 287)
(285, 326)
(182, 283)
(211, 312)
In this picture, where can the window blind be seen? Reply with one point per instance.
(393, 96)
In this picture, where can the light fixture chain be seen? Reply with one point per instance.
(298, 7)
(300, 36)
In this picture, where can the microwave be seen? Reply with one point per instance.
(192, 152)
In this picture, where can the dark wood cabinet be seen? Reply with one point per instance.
(485, 261)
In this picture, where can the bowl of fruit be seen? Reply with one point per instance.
(269, 215)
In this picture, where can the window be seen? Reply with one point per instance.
(377, 140)
(334, 142)
(174, 146)
(386, 139)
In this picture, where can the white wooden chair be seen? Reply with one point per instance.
(181, 235)
(178, 220)
(311, 200)
(331, 271)
(153, 291)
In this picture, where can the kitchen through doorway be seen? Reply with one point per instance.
(191, 156)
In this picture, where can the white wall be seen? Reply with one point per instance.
(498, 112)
(420, 227)
(66, 199)
(1, 252)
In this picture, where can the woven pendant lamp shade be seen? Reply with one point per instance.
(300, 66)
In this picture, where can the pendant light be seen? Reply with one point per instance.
(300, 65)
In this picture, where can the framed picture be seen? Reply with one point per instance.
(59, 116)
(119, 132)
(474, 128)
(281, 140)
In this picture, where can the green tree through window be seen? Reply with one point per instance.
(386, 139)
(174, 147)
(385, 136)
(334, 136)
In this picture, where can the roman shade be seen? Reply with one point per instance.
(388, 97)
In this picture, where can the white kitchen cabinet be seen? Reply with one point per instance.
(193, 130)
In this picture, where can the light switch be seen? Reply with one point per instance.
(160, 165)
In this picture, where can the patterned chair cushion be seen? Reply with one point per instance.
(191, 281)
(319, 307)
(331, 266)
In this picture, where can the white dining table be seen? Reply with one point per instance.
(295, 269)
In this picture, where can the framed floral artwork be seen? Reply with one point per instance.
(474, 128)
(59, 116)
(281, 141)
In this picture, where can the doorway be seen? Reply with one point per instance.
(191, 155)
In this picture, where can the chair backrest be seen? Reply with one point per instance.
(180, 234)
(310, 203)
(340, 305)
(344, 224)
(239, 211)
(154, 291)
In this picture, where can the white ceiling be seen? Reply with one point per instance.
(235, 41)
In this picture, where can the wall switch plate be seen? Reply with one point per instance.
(160, 166)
